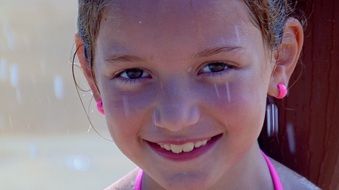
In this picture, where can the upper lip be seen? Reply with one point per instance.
(181, 140)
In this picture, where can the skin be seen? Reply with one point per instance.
(179, 98)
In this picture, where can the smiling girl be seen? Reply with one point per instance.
(183, 86)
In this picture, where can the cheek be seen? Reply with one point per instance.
(126, 113)
(239, 106)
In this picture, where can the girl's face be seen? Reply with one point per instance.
(175, 74)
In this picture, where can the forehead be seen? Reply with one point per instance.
(173, 8)
(172, 21)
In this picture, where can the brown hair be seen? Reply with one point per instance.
(268, 15)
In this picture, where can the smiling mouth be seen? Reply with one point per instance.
(187, 147)
(184, 151)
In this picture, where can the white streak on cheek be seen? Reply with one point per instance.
(217, 90)
(223, 91)
(228, 92)
(125, 107)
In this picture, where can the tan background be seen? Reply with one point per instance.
(45, 141)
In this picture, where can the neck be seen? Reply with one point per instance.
(248, 172)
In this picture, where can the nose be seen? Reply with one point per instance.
(176, 108)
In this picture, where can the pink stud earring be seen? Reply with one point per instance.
(100, 107)
(282, 91)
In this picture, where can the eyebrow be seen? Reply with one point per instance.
(217, 50)
(125, 58)
(205, 53)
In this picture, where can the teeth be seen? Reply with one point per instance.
(167, 147)
(187, 147)
(176, 148)
(200, 143)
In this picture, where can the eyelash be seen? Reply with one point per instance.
(226, 68)
(126, 79)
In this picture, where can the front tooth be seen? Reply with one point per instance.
(176, 148)
(167, 147)
(204, 142)
(198, 144)
(188, 147)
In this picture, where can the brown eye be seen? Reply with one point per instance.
(215, 67)
(133, 73)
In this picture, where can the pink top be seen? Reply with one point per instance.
(274, 174)
(138, 180)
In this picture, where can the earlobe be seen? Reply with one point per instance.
(286, 55)
(86, 67)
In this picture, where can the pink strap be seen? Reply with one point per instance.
(275, 177)
(274, 174)
(138, 180)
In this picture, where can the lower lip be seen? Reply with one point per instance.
(184, 156)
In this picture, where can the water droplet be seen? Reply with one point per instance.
(237, 34)
(58, 87)
(291, 138)
(18, 96)
(78, 163)
(272, 119)
(217, 90)
(125, 106)
(276, 119)
(33, 151)
(14, 75)
(268, 121)
(156, 118)
(9, 35)
(228, 92)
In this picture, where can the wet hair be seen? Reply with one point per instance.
(267, 15)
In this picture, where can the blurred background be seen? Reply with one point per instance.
(46, 141)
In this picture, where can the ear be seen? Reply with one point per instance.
(86, 67)
(286, 55)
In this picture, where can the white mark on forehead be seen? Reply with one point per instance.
(237, 34)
